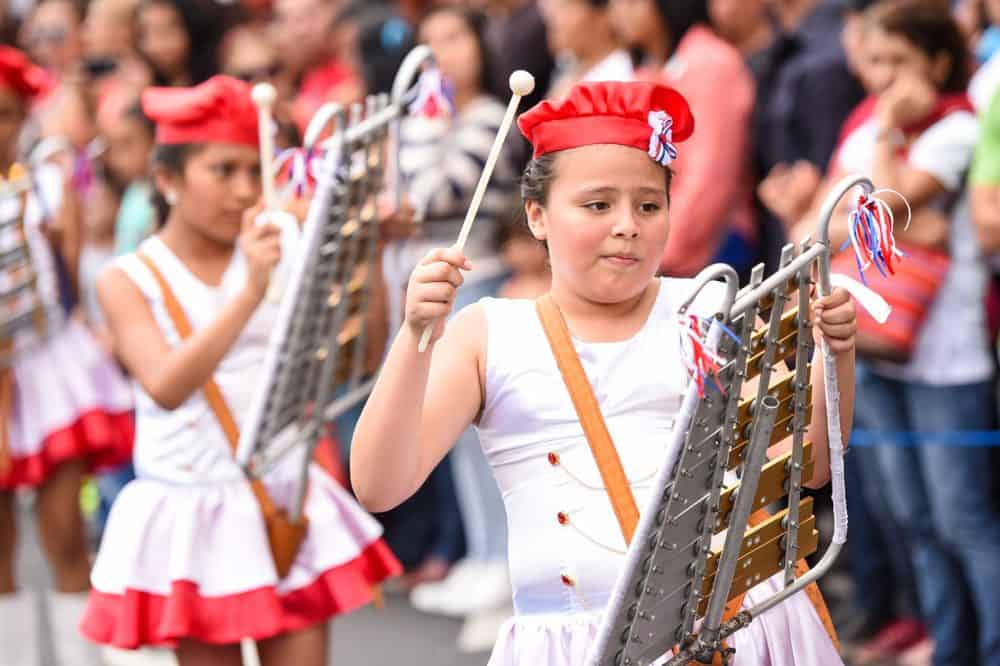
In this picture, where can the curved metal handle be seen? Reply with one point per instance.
(714, 272)
(405, 77)
(408, 71)
(826, 214)
(326, 114)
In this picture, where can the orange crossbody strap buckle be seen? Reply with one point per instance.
(589, 412)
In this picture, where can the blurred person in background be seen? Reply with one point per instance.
(581, 35)
(67, 408)
(711, 204)
(129, 138)
(249, 52)
(986, 81)
(10, 22)
(519, 36)
(100, 208)
(916, 135)
(383, 40)
(805, 92)
(746, 24)
(443, 152)
(52, 35)
(307, 36)
(180, 40)
(117, 72)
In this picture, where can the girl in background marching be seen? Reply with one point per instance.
(66, 409)
(596, 198)
(185, 560)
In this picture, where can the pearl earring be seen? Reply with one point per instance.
(171, 197)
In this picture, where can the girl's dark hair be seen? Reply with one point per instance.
(930, 27)
(540, 172)
(205, 24)
(384, 39)
(680, 16)
(172, 158)
(478, 23)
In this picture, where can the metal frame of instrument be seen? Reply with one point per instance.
(314, 370)
(16, 260)
(672, 576)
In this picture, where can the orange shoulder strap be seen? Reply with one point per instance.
(589, 412)
(213, 394)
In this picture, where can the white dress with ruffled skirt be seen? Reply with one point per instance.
(565, 547)
(70, 400)
(185, 552)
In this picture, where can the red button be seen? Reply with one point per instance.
(553, 459)
(567, 581)
(563, 518)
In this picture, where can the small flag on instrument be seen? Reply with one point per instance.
(434, 95)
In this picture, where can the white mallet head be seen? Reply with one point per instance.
(521, 83)
(264, 95)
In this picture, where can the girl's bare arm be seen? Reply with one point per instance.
(422, 401)
(168, 375)
(171, 375)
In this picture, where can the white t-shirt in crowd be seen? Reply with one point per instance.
(617, 66)
(952, 346)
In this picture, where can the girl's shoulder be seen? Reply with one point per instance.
(132, 266)
(506, 312)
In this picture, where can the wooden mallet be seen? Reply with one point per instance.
(264, 96)
(521, 84)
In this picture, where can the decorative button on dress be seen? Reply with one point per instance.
(565, 545)
(185, 552)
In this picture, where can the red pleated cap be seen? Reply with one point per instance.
(640, 114)
(220, 110)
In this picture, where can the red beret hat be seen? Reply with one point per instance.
(644, 115)
(20, 75)
(220, 110)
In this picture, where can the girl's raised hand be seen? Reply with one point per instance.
(834, 319)
(261, 244)
(431, 291)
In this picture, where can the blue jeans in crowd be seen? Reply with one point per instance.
(941, 495)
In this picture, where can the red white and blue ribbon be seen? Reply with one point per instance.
(871, 231)
(661, 147)
(302, 165)
(434, 95)
(701, 361)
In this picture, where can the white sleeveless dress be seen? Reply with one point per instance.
(185, 552)
(71, 401)
(565, 546)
